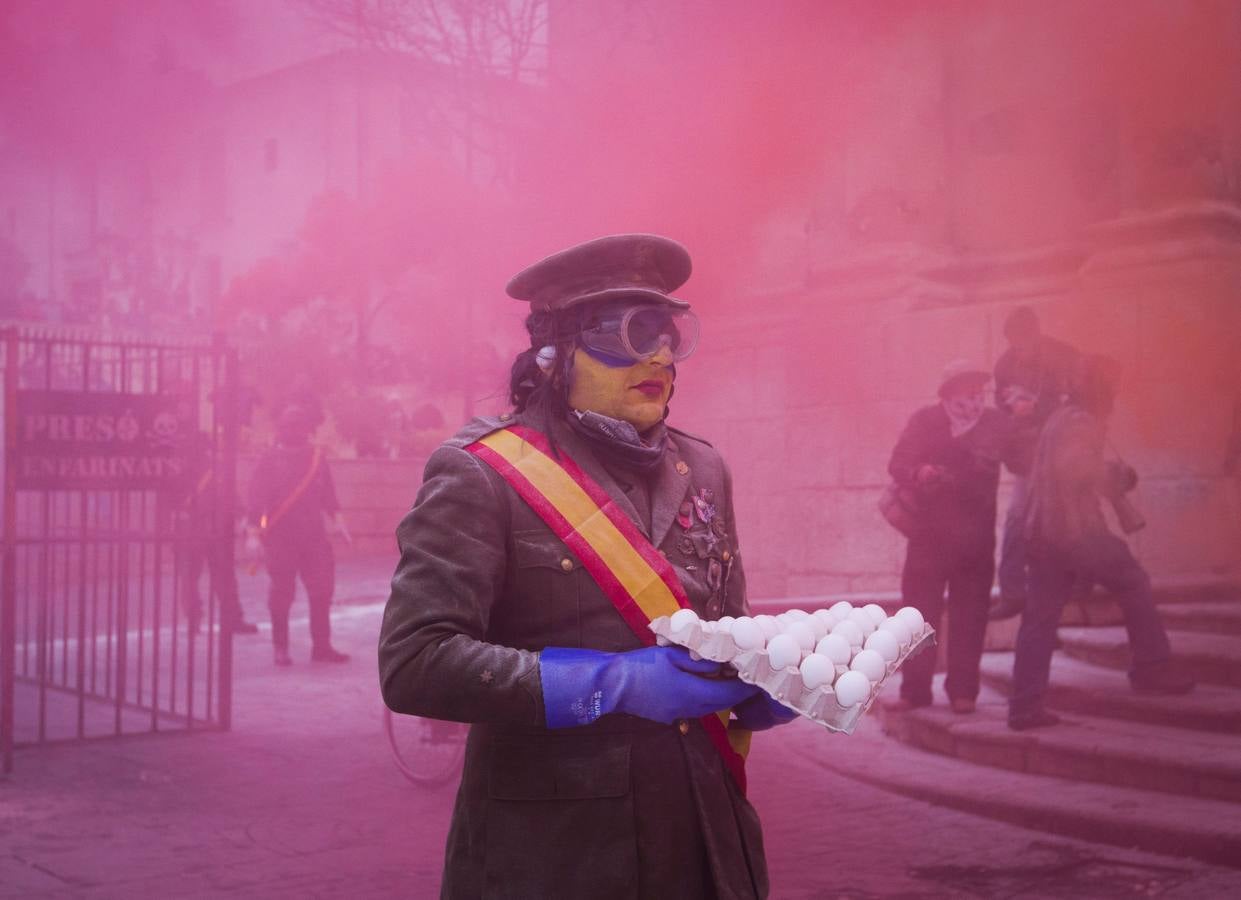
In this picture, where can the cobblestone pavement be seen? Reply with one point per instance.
(302, 799)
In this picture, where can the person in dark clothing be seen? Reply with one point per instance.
(291, 497)
(202, 542)
(201, 547)
(1068, 538)
(1032, 378)
(597, 764)
(949, 455)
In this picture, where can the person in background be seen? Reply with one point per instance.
(204, 545)
(291, 501)
(1068, 539)
(949, 456)
(1032, 378)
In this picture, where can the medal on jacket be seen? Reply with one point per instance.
(685, 515)
(704, 505)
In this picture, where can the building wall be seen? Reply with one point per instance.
(1019, 164)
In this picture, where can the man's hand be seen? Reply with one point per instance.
(337, 525)
(253, 547)
(929, 474)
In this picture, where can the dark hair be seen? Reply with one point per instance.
(1022, 323)
(544, 397)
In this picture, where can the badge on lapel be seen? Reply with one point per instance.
(704, 505)
(685, 515)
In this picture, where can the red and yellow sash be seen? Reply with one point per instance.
(639, 581)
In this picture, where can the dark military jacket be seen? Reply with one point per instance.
(960, 510)
(278, 474)
(624, 807)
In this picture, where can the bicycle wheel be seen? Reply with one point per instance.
(427, 751)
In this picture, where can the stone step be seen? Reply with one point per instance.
(1213, 618)
(1176, 825)
(1212, 658)
(1084, 748)
(1081, 687)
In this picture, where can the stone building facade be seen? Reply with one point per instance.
(1012, 156)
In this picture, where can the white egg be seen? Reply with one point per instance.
(851, 689)
(849, 630)
(783, 651)
(885, 644)
(863, 621)
(911, 617)
(725, 622)
(836, 648)
(769, 624)
(797, 613)
(747, 635)
(823, 615)
(870, 664)
(875, 611)
(682, 619)
(803, 634)
(898, 629)
(816, 671)
(818, 626)
(841, 609)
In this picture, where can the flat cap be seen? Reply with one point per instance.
(619, 265)
(960, 374)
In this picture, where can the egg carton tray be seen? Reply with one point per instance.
(785, 685)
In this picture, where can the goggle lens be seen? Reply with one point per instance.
(639, 333)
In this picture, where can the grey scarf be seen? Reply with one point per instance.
(620, 441)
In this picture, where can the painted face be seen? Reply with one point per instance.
(636, 394)
(968, 404)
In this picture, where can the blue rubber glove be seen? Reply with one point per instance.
(763, 711)
(659, 683)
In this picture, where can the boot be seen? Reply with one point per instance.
(1006, 607)
(1160, 678)
(282, 656)
(328, 654)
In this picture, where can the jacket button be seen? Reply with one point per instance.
(682, 467)
(566, 564)
(683, 726)
(726, 556)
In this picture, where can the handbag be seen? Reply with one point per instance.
(899, 506)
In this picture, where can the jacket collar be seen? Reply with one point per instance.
(668, 485)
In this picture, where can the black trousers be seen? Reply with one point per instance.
(1054, 574)
(965, 571)
(214, 556)
(311, 559)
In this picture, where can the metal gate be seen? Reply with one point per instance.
(119, 463)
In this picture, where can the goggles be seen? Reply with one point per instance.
(636, 333)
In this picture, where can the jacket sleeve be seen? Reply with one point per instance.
(256, 496)
(1005, 377)
(433, 659)
(1078, 458)
(909, 453)
(736, 603)
(331, 505)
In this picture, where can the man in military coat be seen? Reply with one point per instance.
(588, 772)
